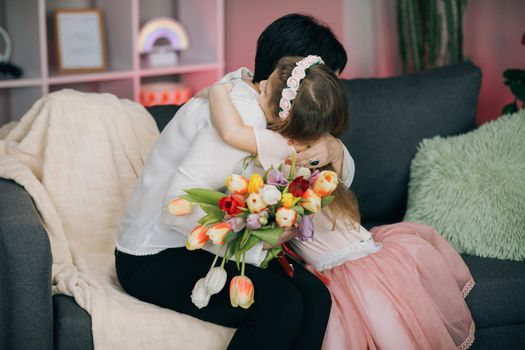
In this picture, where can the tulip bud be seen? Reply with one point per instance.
(325, 183)
(304, 172)
(241, 292)
(255, 183)
(215, 280)
(252, 221)
(197, 238)
(199, 295)
(179, 206)
(263, 220)
(255, 203)
(285, 217)
(237, 184)
(288, 200)
(218, 231)
(311, 201)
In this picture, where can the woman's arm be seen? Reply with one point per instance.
(227, 120)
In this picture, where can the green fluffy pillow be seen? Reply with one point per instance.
(471, 188)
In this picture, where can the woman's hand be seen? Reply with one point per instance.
(326, 150)
(288, 234)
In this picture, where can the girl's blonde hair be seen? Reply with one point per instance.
(320, 107)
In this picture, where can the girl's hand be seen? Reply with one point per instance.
(205, 93)
(288, 234)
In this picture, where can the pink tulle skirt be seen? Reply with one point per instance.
(409, 295)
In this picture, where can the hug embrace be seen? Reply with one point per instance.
(400, 286)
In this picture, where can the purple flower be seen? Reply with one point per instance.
(306, 228)
(275, 177)
(237, 223)
(253, 221)
(312, 178)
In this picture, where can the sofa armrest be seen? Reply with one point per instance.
(25, 262)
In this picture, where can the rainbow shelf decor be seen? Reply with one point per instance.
(162, 28)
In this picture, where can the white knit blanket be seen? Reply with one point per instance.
(79, 155)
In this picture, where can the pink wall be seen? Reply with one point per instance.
(368, 30)
(492, 37)
(245, 20)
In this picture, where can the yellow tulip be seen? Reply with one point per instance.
(288, 200)
(255, 183)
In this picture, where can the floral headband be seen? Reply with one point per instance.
(292, 84)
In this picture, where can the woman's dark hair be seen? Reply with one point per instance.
(297, 35)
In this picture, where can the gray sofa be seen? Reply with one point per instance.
(388, 118)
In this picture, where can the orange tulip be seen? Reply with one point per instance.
(218, 231)
(179, 206)
(256, 203)
(241, 292)
(237, 184)
(325, 183)
(197, 238)
(311, 201)
(285, 217)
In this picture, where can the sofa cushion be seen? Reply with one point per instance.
(497, 299)
(471, 188)
(163, 114)
(72, 324)
(388, 119)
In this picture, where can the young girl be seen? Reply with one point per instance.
(399, 286)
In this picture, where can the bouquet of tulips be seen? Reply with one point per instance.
(248, 212)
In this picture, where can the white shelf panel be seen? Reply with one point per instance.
(15, 83)
(89, 77)
(186, 68)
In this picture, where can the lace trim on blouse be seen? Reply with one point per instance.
(351, 252)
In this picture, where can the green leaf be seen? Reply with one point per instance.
(250, 243)
(272, 253)
(203, 195)
(298, 209)
(230, 236)
(245, 237)
(270, 235)
(212, 211)
(207, 220)
(326, 200)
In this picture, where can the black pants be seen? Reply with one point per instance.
(288, 313)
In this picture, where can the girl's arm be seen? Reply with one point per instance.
(227, 120)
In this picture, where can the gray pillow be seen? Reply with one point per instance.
(388, 119)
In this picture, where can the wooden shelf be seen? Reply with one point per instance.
(28, 23)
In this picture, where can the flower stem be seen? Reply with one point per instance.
(292, 166)
(242, 267)
(217, 257)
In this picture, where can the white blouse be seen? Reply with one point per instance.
(189, 153)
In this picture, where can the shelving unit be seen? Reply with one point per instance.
(29, 23)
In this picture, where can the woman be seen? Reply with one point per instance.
(151, 261)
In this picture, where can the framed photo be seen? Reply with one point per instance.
(80, 40)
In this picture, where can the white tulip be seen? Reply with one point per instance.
(270, 194)
(199, 295)
(304, 172)
(215, 280)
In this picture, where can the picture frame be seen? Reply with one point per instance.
(80, 40)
